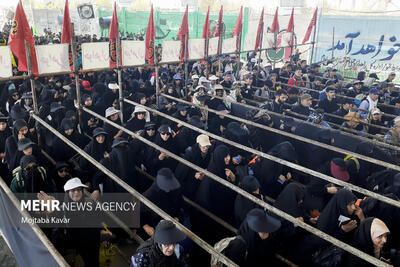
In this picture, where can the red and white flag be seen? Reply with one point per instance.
(313, 22)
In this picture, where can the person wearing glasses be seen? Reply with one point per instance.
(157, 159)
(161, 249)
(61, 174)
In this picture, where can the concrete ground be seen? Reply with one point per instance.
(6, 256)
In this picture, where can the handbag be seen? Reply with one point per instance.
(330, 256)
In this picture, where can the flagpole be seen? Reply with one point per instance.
(260, 47)
(206, 54)
(76, 74)
(333, 42)
(186, 63)
(238, 57)
(119, 72)
(291, 45)
(275, 40)
(29, 65)
(156, 78)
(219, 51)
(313, 44)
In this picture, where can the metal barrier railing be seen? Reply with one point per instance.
(220, 180)
(136, 194)
(291, 135)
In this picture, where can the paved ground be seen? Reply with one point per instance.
(6, 256)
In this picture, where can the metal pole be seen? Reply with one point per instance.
(156, 79)
(186, 63)
(121, 101)
(76, 75)
(259, 48)
(333, 42)
(30, 75)
(239, 40)
(275, 40)
(291, 45)
(207, 40)
(313, 44)
(219, 51)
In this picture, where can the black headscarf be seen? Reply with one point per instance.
(171, 202)
(31, 177)
(3, 137)
(362, 240)
(258, 250)
(156, 257)
(288, 200)
(212, 195)
(268, 171)
(328, 221)
(11, 145)
(242, 204)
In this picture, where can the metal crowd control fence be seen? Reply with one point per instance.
(135, 193)
(216, 218)
(374, 141)
(294, 136)
(258, 100)
(262, 154)
(341, 96)
(201, 243)
(220, 180)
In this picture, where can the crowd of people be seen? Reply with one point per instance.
(297, 98)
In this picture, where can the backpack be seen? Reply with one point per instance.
(359, 98)
(220, 246)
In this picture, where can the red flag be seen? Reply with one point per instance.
(66, 36)
(275, 23)
(150, 36)
(66, 32)
(183, 32)
(19, 33)
(113, 37)
(313, 22)
(260, 28)
(206, 27)
(219, 29)
(238, 28)
(290, 26)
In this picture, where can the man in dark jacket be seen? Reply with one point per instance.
(304, 106)
(329, 104)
